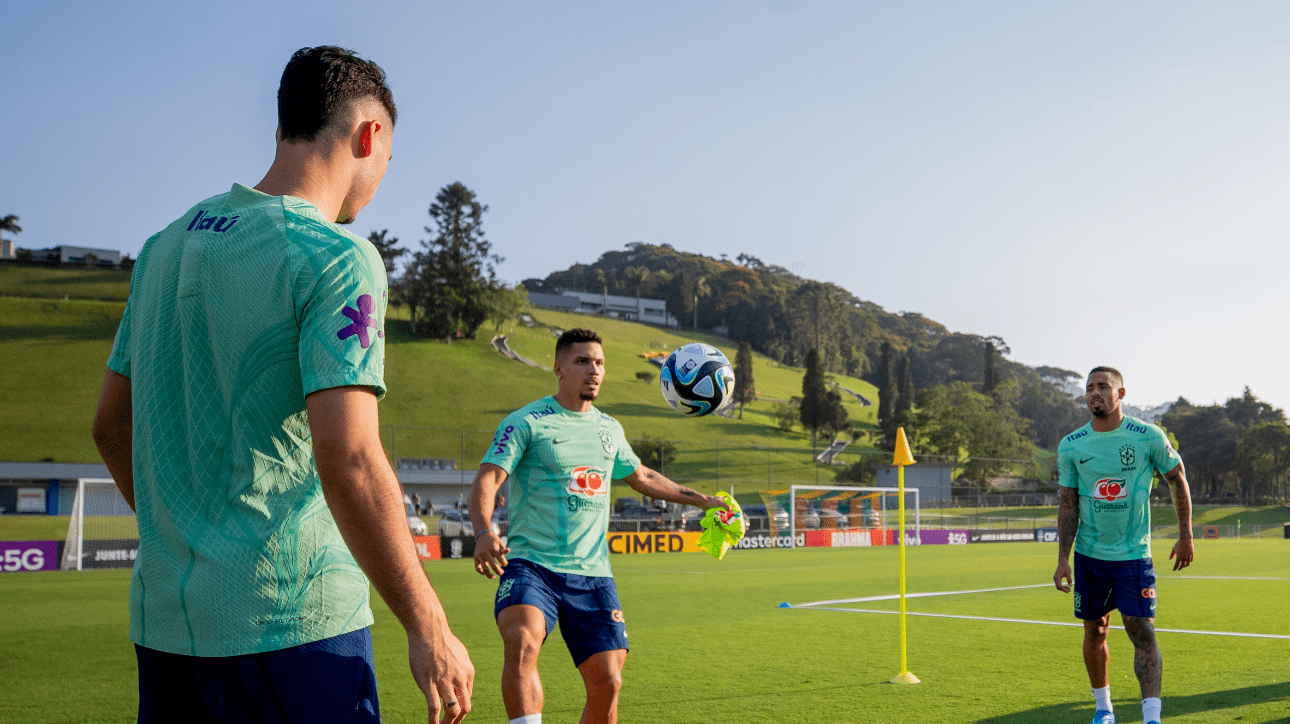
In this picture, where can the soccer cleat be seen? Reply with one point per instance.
(1103, 717)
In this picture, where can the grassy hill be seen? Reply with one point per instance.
(444, 399)
(55, 283)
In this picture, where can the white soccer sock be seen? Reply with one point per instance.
(1103, 698)
(1150, 710)
(527, 719)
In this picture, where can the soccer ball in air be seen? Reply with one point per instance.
(697, 379)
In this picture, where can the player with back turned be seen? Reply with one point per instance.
(1105, 470)
(239, 419)
(560, 454)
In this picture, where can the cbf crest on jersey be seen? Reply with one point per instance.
(1128, 455)
(607, 440)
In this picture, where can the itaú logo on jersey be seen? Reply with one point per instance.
(588, 481)
(1110, 489)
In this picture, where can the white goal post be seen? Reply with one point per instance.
(884, 511)
(102, 531)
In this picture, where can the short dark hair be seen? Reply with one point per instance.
(1113, 372)
(318, 82)
(575, 336)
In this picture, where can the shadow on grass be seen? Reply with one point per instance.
(1173, 706)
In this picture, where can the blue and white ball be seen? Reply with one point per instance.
(697, 379)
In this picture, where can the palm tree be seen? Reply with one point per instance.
(699, 288)
(9, 223)
(640, 275)
(604, 290)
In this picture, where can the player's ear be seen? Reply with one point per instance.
(366, 131)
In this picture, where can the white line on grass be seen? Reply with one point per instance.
(1229, 578)
(1056, 623)
(895, 596)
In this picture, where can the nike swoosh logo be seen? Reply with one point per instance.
(557, 442)
(1086, 460)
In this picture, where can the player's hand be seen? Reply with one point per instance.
(1063, 577)
(490, 554)
(445, 675)
(1183, 553)
(715, 502)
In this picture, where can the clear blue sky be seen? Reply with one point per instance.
(1097, 183)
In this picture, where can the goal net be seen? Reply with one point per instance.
(840, 516)
(101, 532)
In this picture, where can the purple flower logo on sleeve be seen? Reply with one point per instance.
(361, 319)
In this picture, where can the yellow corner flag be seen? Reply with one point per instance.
(902, 458)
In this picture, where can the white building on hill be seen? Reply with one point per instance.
(76, 255)
(650, 311)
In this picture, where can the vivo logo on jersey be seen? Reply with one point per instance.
(501, 438)
(202, 222)
(588, 481)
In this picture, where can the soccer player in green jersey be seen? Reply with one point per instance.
(1105, 470)
(239, 420)
(560, 454)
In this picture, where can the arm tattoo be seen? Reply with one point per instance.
(1182, 500)
(1067, 522)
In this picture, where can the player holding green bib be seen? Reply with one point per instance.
(560, 455)
(1105, 471)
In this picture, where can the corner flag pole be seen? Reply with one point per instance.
(902, 458)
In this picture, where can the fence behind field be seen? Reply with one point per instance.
(761, 466)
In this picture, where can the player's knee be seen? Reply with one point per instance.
(522, 646)
(605, 685)
(1142, 631)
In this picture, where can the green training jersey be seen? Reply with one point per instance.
(559, 464)
(1113, 473)
(237, 311)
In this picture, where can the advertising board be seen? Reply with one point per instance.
(28, 555)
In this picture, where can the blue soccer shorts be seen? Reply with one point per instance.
(325, 681)
(1101, 586)
(586, 607)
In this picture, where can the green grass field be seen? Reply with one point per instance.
(59, 283)
(710, 645)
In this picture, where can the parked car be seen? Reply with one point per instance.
(415, 524)
(840, 520)
(454, 523)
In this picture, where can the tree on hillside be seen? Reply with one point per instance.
(1264, 460)
(981, 432)
(1210, 438)
(904, 408)
(990, 379)
(639, 276)
(10, 224)
(1248, 410)
(448, 283)
(888, 392)
(386, 248)
(503, 304)
(821, 406)
(745, 391)
(994, 346)
(696, 287)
